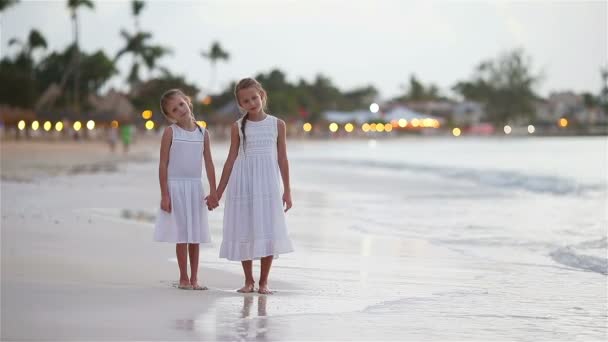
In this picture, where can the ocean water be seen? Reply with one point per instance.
(437, 239)
(442, 239)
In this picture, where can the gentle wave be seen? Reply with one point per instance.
(502, 179)
(577, 256)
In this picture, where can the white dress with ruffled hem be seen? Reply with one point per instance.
(254, 221)
(187, 222)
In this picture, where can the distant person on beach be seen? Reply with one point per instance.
(112, 138)
(126, 135)
(185, 146)
(254, 216)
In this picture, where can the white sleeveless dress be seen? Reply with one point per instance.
(187, 222)
(254, 221)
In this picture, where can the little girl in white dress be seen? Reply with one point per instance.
(254, 218)
(182, 220)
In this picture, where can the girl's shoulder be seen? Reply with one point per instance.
(168, 130)
(271, 118)
(167, 136)
(278, 121)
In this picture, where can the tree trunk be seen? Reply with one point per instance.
(76, 67)
(213, 75)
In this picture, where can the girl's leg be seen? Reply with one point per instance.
(249, 281)
(193, 252)
(181, 250)
(247, 301)
(264, 271)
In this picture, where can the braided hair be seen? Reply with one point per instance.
(243, 84)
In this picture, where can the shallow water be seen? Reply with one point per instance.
(437, 239)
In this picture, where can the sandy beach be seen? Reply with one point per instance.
(384, 251)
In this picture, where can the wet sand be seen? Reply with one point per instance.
(78, 261)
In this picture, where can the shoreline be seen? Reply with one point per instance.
(380, 253)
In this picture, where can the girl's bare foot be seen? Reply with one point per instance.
(248, 288)
(196, 286)
(184, 284)
(264, 289)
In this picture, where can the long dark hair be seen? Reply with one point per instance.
(243, 84)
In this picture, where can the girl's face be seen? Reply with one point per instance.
(177, 109)
(250, 99)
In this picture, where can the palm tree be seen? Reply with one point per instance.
(136, 7)
(137, 46)
(35, 40)
(213, 55)
(142, 53)
(4, 4)
(73, 5)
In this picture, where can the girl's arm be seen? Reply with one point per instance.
(284, 163)
(234, 151)
(210, 170)
(165, 146)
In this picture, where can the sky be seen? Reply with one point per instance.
(354, 42)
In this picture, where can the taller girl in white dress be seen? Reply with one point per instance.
(254, 216)
(182, 220)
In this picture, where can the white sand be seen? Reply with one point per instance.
(79, 263)
(73, 268)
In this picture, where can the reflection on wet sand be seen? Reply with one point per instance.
(249, 327)
(241, 324)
